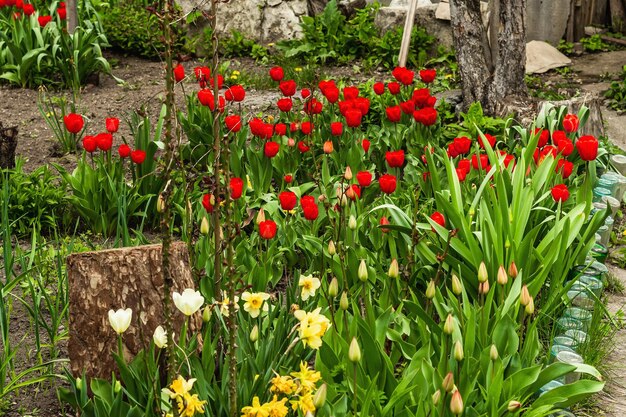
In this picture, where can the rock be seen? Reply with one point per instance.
(392, 17)
(443, 11)
(546, 20)
(542, 57)
(113, 279)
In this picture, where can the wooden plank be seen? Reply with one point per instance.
(406, 35)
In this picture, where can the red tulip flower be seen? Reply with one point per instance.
(28, 9)
(379, 88)
(465, 165)
(387, 183)
(124, 151)
(461, 174)
(288, 88)
(306, 128)
(490, 138)
(544, 135)
(439, 219)
(408, 107)
(426, 116)
(403, 75)
(285, 104)
(206, 98)
(350, 93)
(394, 113)
(365, 144)
(353, 118)
(395, 159)
(305, 93)
(428, 75)
(353, 192)
(384, 222)
(138, 156)
(105, 142)
(394, 88)
(303, 147)
(288, 200)
(236, 188)
(89, 144)
(62, 13)
(267, 229)
(565, 147)
(587, 147)
(570, 123)
(277, 74)
(462, 145)
(44, 20)
(560, 193)
(233, 123)
(336, 128)
(73, 122)
(179, 73)
(364, 178)
(309, 207)
(288, 178)
(208, 202)
(271, 149)
(235, 93)
(112, 124)
(565, 168)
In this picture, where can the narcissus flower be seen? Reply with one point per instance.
(255, 302)
(587, 147)
(267, 229)
(73, 122)
(189, 301)
(560, 193)
(160, 337)
(120, 319)
(112, 124)
(312, 327)
(387, 183)
(309, 284)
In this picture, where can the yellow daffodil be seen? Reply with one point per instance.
(180, 386)
(189, 405)
(298, 69)
(256, 409)
(309, 285)
(304, 403)
(254, 302)
(307, 378)
(235, 72)
(283, 385)
(313, 326)
(277, 408)
(224, 309)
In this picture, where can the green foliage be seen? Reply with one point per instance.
(595, 43)
(617, 93)
(565, 47)
(237, 46)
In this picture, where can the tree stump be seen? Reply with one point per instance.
(120, 278)
(8, 144)
(595, 122)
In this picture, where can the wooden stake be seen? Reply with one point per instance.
(406, 35)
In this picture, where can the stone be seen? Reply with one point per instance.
(546, 20)
(542, 57)
(392, 17)
(120, 278)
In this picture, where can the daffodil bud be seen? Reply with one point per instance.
(482, 272)
(118, 387)
(458, 351)
(206, 314)
(524, 297)
(457, 287)
(530, 307)
(393, 269)
(160, 204)
(319, 399)
(343, 301)
(204, 226)
(448, 326)
(456, 403)
(514, 406)
(354, 352)
(254, 334)
(430, 290)
(513, 270)
(436, 397)
(448, 382)
(79, 384)
(331, 248)
(352, 222)
(260, 217)
(333, 287)
(348, 174)
(502, 277)
(493, 353)
(362, 272)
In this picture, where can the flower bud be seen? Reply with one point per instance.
(352, 222)
(530, 307)
(448, 382)
(448, 326)
(319, 399)
(254, 334)
(333, 287)
(343, 301)
(514, 406)
(260, 217)
(456, 403)
(457, 287)
(513, 270)
(502, 277)
(79, 384)
(204, 226)
(484, 287)
(482, 272)
(362, 272)
(348, 174)
(206, 314)
(472, 212)
(493, 353)
(331, 248)
(321, 198)
(291, 142)
(436, 397)
(524, 297)
(328, 146)
(354, 352)
(160, 204)
(458, 351)
(350, 194)
(393, 269)
(118, 387)
(430, 290)
(507, 243)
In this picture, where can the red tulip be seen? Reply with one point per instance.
(366, 145)
(421, 97)
(565, 168)
(544, 135)
(570, 123)
(277, 74)
(403, 75)
(395, 159)
(206, 98)
(353, 192)
(565, 146)
(439, 219)
(105, 142)
(408, 107)
(353, 118)
(394, 87)
(138, 156)
(267, 229)
(364, 178)
(462, 145)
(235, 93)
(179, 73)
(271, 149)
(280, 129)
(387, 183)
(285, 104)
(394, 114)
(461, 174)
(305, 92)
(384, 222)
(426, 116)
(306, 128)
(112, 124)
(336, 128)
(331, 93)
(465, 165)
(350, 93)
(288, 178)
(236, 188)
(73, 122)
(288, 200)
(44, 20)
(484, 162)
(313, 106)
(62, 13)
(89, 144)
(124, 151)
(560, 193)
(310, 211)
(208, 201)
(379, 88)
(233, 123)
(202, 75)
(428, 75)
(28, 9)
(490, 138)
(303, 147)
(587, 147)
(288, 88)
(257, 126)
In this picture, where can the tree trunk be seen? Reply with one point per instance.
(8, 144)
(491, 74)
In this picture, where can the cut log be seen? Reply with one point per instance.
(120, 278)
(8, 144)
(595, 123)
(618, 15)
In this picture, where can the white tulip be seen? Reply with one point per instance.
(189, 302)
(160, 337)
(120, 319)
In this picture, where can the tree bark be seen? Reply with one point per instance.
(8, 144)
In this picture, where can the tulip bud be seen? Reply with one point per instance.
(484, 287)
(206, 314)
(448, 382)
(350, 194)
(507, 243)
(260, 217)
(160, 204)
(472, 212)
(352, 222)
(331, 248)
(354, 352)
(436, 397)
(79, 384)
(291, 142)
(118, 386)
(254, 334)
(524, 297)
(456, 403)
(320, 396)
(514, 406)
(348, 174)
(458, 351)
(333, 287)
(502, 277)
(530, 307)
(430, 290)
(321, 198)
(362, 272)
(482, 272)
(343, 199)
(343, 301)
(493, 353)
(328, 146)
(393, 269)
(457, 287)
(448, 326)
(513, 270)
(204, 226)
(510, 216)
